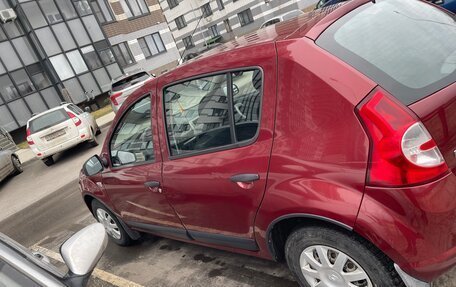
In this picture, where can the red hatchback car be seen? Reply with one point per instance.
(327, 141)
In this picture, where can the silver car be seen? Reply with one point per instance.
(9, 164)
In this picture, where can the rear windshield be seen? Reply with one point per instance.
(48, 120)
(129, 81)
(408, 47)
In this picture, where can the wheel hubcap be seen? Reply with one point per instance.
(324, 266)
(109, 224)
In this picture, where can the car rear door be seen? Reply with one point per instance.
(133, 179)
(219, 144)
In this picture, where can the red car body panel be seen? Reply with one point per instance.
(312, 155)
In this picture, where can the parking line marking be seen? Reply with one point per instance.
(100, 274)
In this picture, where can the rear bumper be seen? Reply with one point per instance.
(409, 281)
(415, 226)
(84, 135)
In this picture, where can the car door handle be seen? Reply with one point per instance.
(245, 181)
(153, 186)
(245, 178)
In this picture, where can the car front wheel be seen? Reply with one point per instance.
(321, 256)
(111, 224)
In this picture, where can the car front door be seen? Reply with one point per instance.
(219, 142)
(133, 179)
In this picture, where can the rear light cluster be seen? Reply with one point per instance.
(403, 152)
(114, 97)
(29, 137)
(76, 120)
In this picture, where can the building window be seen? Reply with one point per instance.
(23, 83)
(62, 67)
(77, 62)
(220, 4)
(7, 89)
(180, 22)
(50, 11)
(172, 3)
(227, 25)
(206, 9)
(67, 9)
(105, 53)
(13, 29)
(134, 8)
(123, 54)
(188, 42)
(39, 77)
(102, 11)
(213, 31)
(83, 7)
(245, 17)
(91, 57)
(152, 45)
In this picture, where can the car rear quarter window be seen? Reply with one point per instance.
(48, 120)
(408, 47)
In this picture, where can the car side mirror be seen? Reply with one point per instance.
(82, 251)
(93, 166)
(126, 157)
(87, 109)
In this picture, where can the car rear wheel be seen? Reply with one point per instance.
(17, 165)
(94, 141)
(48, 161)
(98, 132)
(111, 224)
(321, 256)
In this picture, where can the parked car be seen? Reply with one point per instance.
(24, 268)
(9, 164)
(334, 149)
(284, 17)
(122, 87)
(59, 129)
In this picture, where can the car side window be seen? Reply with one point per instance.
(131, 142)
(11, 277)
(199, 116)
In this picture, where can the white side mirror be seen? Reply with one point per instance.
(83, 250)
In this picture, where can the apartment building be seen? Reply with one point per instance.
(138, 33)
(70, 50)
(195, 23)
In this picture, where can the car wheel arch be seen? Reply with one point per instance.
(88, 199)
(280, 228)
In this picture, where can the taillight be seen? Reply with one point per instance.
(29, 137)
(75, 119)
(403, 152)
(114, 98)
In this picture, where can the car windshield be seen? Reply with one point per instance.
(129, 81)
(406, 46)
(48, 120)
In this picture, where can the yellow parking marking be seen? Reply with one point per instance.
(100, 274)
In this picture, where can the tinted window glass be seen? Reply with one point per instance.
(130, 81)
(75, 109)
(131, 142)
(408, 47)
(48, 120)
(199, 116)
(246, 103)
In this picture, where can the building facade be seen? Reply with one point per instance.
(70, 50)
(195, 23)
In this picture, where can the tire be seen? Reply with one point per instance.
(98, 132)
(94, 141)
(17, 165)
(304, 245)
(111, 223)
(48, 161)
